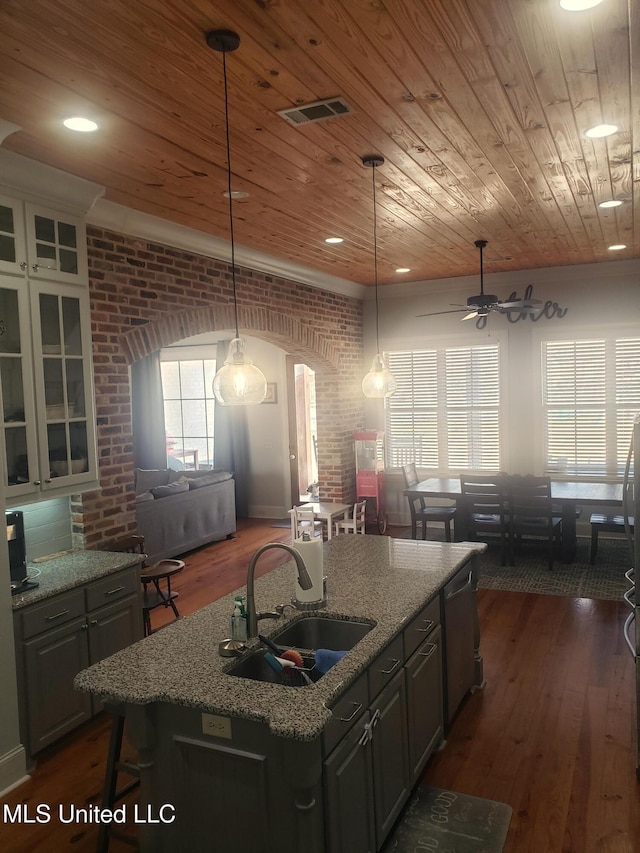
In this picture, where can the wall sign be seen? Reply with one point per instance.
(549, 310)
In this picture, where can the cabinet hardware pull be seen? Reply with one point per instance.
(367, 732)
(628, 575)
(35, 267)
(462, 589)
(23, 266)
(85, 627)
(94, 621)
(37, 483)
(48, 480)
(429, 623)
(113, 591)
(626, 631)
(356, 710)
(395, 664)
(432, 648)
(57, 615)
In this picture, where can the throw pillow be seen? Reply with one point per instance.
(149, 478)
(170, 489)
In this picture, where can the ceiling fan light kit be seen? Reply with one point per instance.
(379, 381)
(238, 382)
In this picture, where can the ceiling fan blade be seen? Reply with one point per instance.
(471, 316)
(436, 313)
(521, 304)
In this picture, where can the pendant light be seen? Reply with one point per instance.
(379, 381)
(239, 382)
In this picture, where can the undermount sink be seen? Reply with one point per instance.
(256, 668)
(307, 634)
(318, 632)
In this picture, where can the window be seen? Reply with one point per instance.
(188, 412)
(590, 393)
(445, 414)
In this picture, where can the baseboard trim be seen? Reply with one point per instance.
(13, 770)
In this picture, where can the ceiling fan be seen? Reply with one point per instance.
(479, 306)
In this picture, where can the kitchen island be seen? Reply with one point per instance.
(226, 758)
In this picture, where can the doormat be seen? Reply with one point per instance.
(440, 820)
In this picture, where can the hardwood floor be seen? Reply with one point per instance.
(552, 733)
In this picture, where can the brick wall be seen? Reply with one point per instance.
(144, 296)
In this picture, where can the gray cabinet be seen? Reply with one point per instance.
(62, 635)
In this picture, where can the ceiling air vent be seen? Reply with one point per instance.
(318, 111)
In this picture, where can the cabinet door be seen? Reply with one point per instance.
(13, 252)
(16, 396)
(114, 627)
(390, 755)
(64, 385)
(51, 661)
(424, 702)
(56, 245)
(350, 825)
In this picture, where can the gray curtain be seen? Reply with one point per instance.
(231, 442)
(147, 413)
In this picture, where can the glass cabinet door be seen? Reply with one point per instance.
(13, 253)
(67, 432)
(56, 245)
(18, 422)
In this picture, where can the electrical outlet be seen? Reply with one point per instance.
(216, 726)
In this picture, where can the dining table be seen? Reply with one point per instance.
(324, 511)
(568, 495)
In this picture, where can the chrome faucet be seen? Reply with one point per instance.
(303, 579)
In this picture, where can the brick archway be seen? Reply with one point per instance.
(298, 339)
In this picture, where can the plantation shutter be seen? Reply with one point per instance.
(445, 413)
(591, 391)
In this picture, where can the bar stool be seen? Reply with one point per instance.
(154, 593)
(111, 794)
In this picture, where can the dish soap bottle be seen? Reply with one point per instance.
(238, 622)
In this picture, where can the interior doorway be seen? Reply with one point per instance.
(303, 432)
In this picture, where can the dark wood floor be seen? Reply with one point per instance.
(552, 733)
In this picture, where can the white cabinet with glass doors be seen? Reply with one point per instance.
(46, 375)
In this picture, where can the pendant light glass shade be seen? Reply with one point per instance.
(239, 382)
(379, 381)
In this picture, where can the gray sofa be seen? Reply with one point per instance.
(177, 511)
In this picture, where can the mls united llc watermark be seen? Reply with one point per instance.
(45, 813)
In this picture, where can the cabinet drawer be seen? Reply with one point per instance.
(385, 666)
(419, 628)
(51, 613)
(111, 588)
(345, 713)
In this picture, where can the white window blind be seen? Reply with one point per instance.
(445, 414)
(591, 391)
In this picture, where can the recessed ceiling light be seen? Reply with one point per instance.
(611, 203)
(334, 240)
(617, 247)
(403, 269)
(82, 125)
(579, 5)
(601, 130)
(236, 194)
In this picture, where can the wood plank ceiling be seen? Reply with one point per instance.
(479, 108)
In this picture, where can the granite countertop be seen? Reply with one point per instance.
(69, 571)
(368, 577)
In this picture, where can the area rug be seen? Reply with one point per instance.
(440, 820)
(579, 579)
(604, 580)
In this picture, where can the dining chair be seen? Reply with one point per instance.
(305, 521)
(483, 502)
(423, 513)
(531, 513)
(355, 522)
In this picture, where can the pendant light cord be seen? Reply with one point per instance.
(375, 253)
(233, 251)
